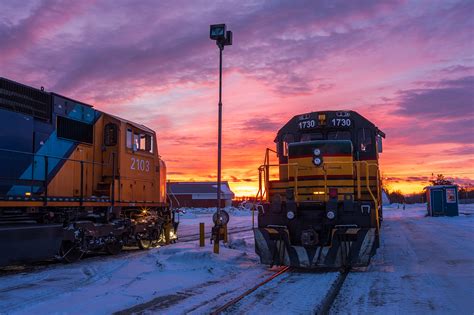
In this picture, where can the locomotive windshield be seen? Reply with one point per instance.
(339, 135)
(312, 136)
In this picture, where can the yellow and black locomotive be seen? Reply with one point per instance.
(74, 179)
(321, 202)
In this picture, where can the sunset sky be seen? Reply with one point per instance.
(406, 65)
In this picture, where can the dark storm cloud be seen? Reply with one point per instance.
(452, 99)
(407, 178)
(260, 124)
(45, 17)
(458, 69)
(466, 149)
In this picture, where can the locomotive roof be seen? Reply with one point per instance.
(290, 126)
(136, 125)
(44, 92)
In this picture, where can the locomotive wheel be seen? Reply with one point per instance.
(144, 243)
(149, 242)
(114, 248)
(70, 251)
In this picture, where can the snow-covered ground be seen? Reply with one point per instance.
(294, 292)
(189, 221)
(425, 265)
(177, 278)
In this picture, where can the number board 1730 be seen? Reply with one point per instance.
(340, 122)
(307, 124)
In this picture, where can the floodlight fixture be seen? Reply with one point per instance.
(221, 35)
(218, 32)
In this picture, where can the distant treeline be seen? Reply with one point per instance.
(398, 197)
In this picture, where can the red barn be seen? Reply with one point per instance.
(199, 194)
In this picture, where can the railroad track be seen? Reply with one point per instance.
(250, 291)
(322, 308)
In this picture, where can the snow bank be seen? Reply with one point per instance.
(418, 210)
(108, 284)
(192, 213)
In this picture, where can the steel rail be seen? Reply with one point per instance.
(249, 291)
(325, 306)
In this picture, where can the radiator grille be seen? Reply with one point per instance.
(23, 99)
(74, 130)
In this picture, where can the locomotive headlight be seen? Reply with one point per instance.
(317, 151)
(290, 215)
(331, 215)
(317, 161)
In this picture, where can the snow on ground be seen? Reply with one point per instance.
(294, 292)
(189, 221)
(180, 277)
(424, 265)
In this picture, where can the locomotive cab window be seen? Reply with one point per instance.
(129, 138)
(139, 141)
(146, 141)
(365, 140)
(142, 142)
(110, 134)
(287, 139)
(136, 142)
(149, 143)
(379, 144)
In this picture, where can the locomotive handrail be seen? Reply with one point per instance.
(55, 157)
(378, 194)
(367, 183)
(44, 179)
(263, 168)
(357, 165)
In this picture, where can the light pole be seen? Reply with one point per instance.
(223, 38)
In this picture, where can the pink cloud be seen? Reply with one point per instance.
(404, 65)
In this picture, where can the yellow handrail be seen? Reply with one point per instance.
(372, 195)
(265, 169)
(359, 192)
